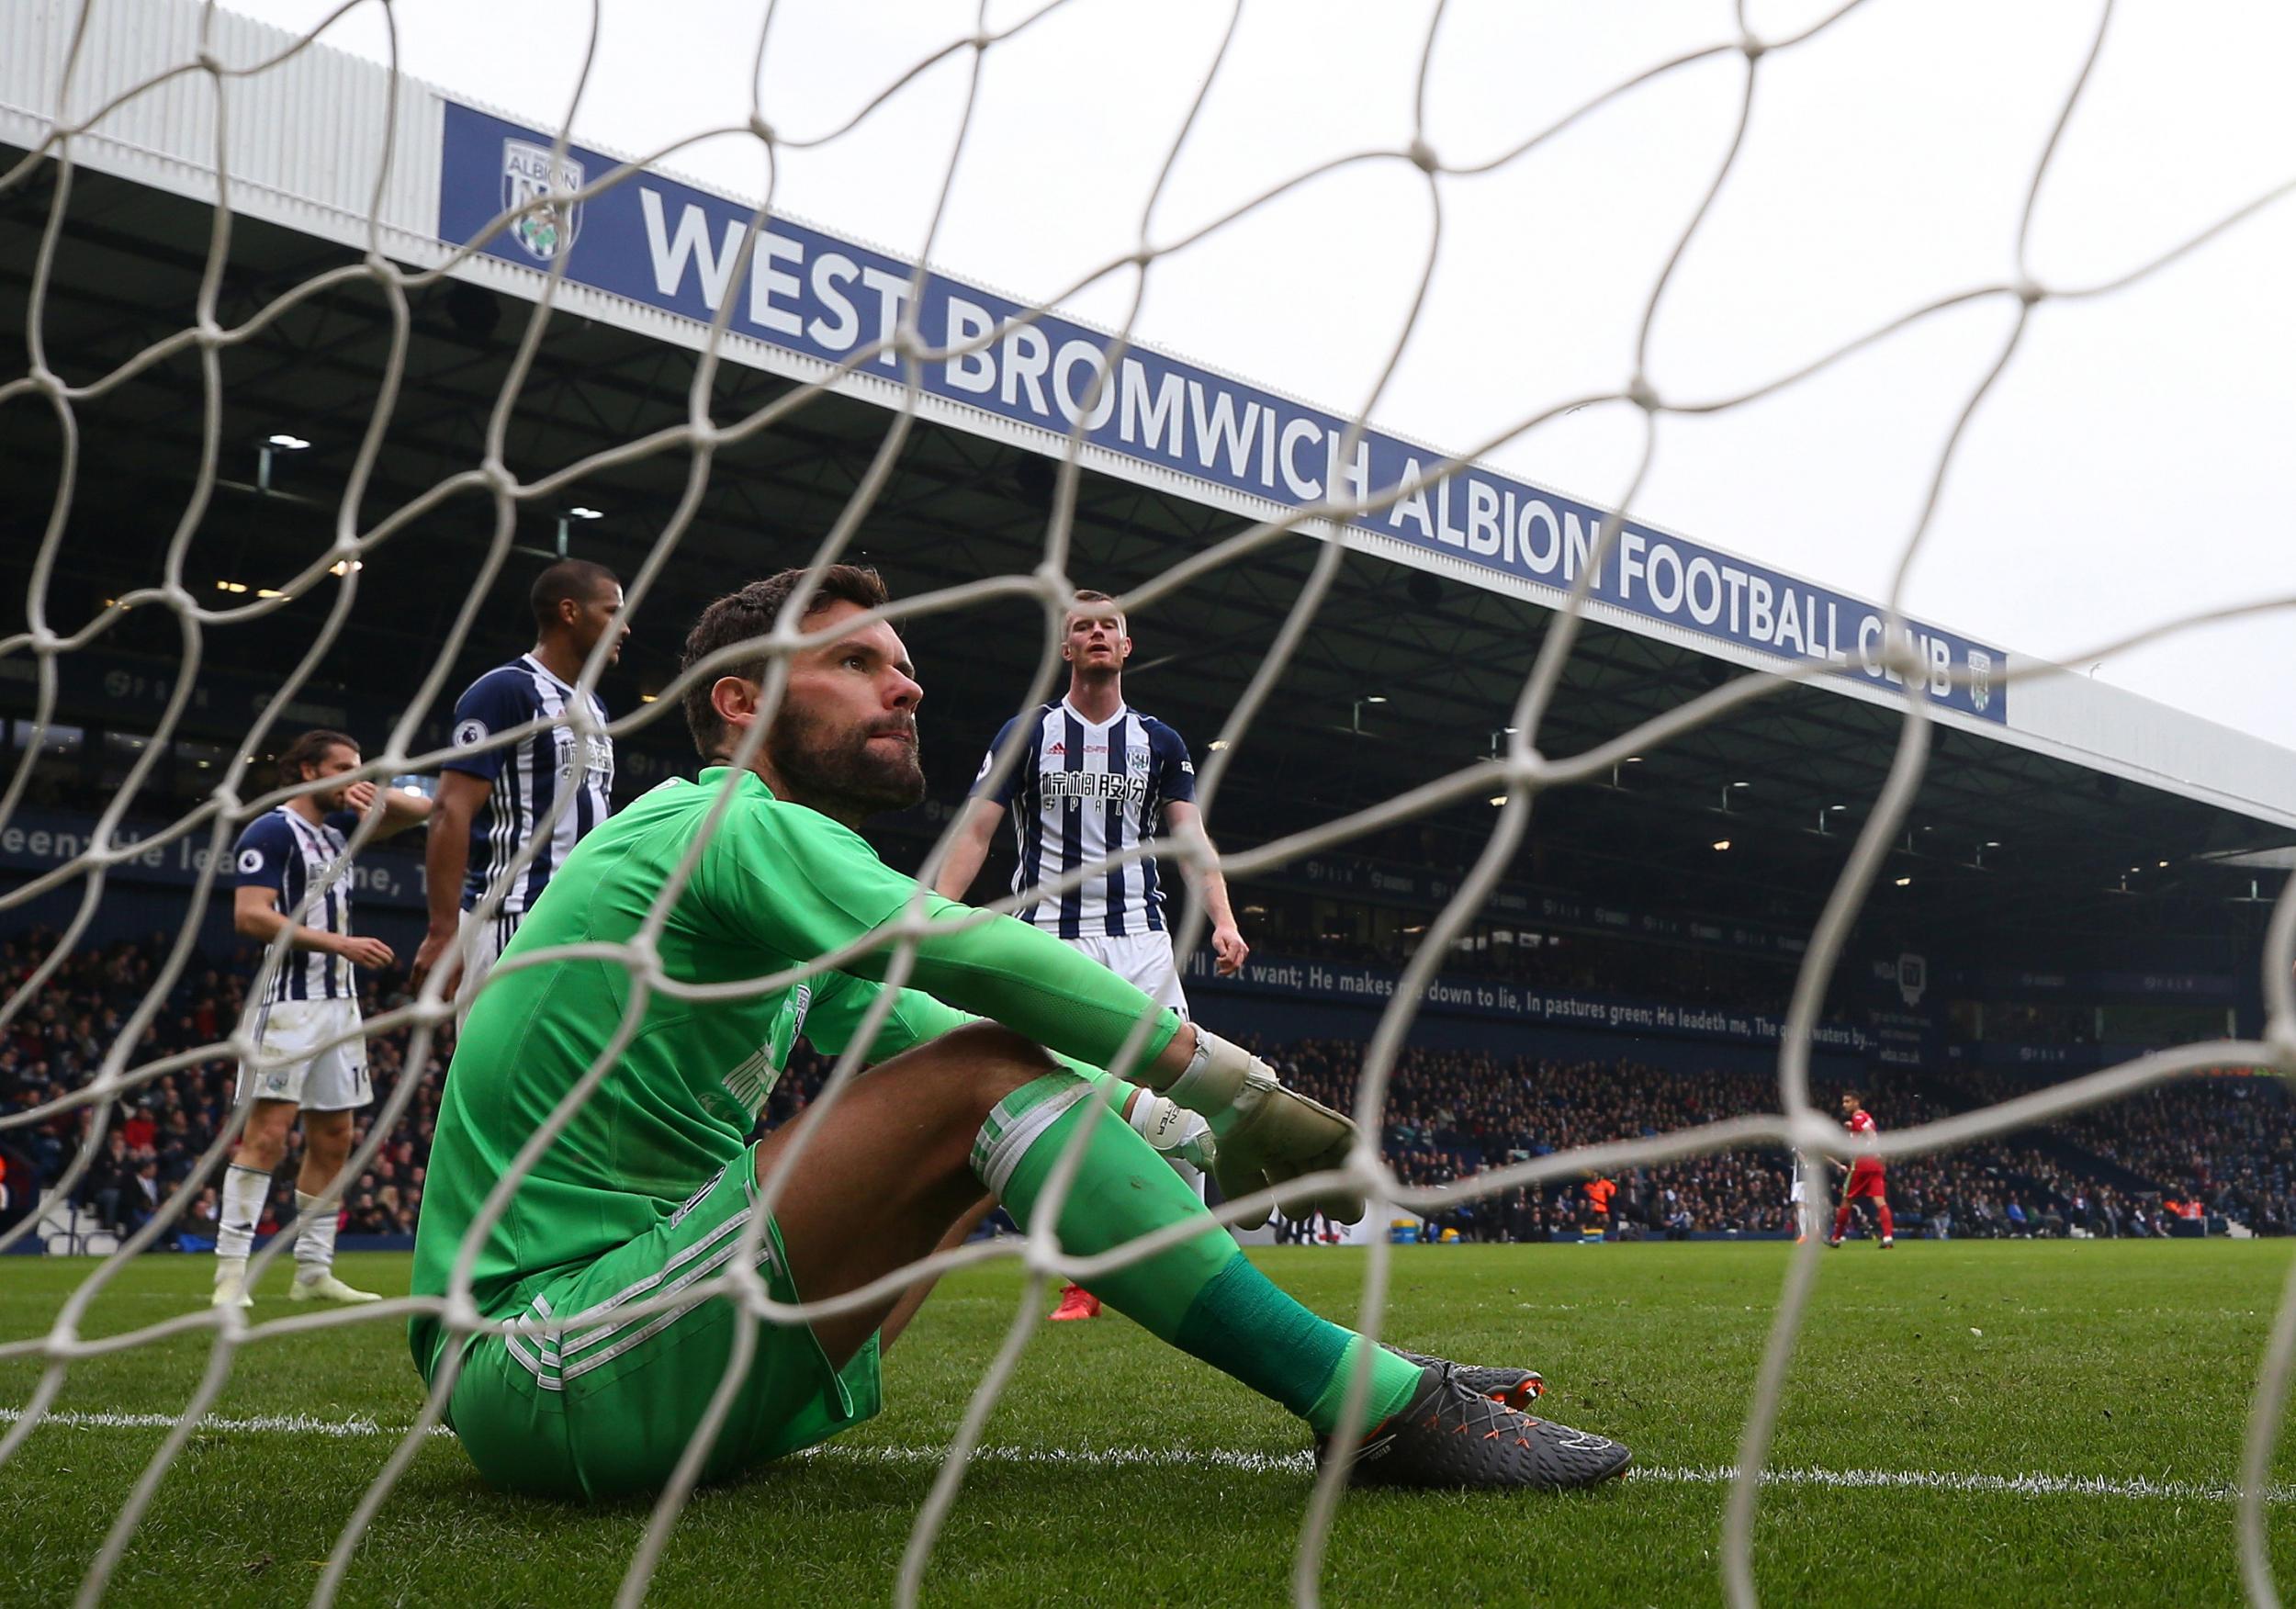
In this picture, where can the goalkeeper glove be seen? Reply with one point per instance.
(1268, 1135)
(1175, 1132)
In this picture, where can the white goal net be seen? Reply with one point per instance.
(92, 85)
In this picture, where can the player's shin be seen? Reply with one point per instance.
(243, 1192)
(315, 1246)
(1201, 1295)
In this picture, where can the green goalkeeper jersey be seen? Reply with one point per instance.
(776, 886)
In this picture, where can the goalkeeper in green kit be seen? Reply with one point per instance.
(973, 1089)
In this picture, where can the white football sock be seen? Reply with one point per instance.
(315, 1247)
(244, 1193)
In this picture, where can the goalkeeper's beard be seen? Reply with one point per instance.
(847, 775)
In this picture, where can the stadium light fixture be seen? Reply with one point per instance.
(278, 441)
(2163, 866)
(230, 586)
(1905, 882)
(579, 511)
(1721, 843)
(1354, 721)
(1217, 744)
(1496, 800)
(343, 567)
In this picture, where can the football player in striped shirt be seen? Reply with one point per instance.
(492, 800)
(1096, 777)
(284, 857)
(1865, 1176)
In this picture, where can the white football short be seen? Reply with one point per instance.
(1145, 960)
(293, 1068)
(486, 948)
(1141, 960)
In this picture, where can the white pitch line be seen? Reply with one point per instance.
(260, 1424)
(2137, 1486)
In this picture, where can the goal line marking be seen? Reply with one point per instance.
(1181, 1458)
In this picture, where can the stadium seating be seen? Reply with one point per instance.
(2223, 1143)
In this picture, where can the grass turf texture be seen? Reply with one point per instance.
(2117, 1360)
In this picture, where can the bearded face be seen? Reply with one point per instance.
(847, 768)
(340, 763)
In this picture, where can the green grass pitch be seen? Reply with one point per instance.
(1127, 1474)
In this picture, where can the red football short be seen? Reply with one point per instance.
(1865, 1179)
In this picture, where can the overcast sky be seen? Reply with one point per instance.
(2133, 463)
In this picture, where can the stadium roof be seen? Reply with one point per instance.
(2052, 789)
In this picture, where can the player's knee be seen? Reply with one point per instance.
(1000, 1060)
(328, 1144)
(262, 1145)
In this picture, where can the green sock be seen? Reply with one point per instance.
(1202, 1295)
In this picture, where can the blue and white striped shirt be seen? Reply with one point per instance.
(1080, 794)
(527, 776)
(281, 852)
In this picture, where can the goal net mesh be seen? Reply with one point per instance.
(1522, 770)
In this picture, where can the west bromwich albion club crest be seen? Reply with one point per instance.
(1980, 680)
(544, 230)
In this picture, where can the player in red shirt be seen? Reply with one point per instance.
(1865, 1176)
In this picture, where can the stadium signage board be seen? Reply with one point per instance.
(669, 246)
(2016, 986)
(1367, 985)
(41, 840)
(1325, 875)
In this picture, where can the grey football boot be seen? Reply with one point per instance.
(1452, 1436)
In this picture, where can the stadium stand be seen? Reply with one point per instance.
(2224, 1143)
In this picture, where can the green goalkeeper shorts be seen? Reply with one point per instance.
(606, 1406)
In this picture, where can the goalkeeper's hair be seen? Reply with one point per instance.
(309, 750)
(570, 579)
(750, 613)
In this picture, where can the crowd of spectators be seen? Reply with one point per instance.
(161, 1127)
(2219, 1146)
(2221, 1142)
